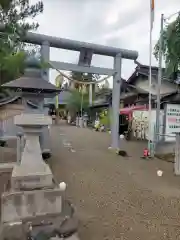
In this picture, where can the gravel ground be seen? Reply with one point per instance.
(116, 197)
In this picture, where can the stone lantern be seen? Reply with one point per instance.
(34, 204)
(31, 87)
(34, 89)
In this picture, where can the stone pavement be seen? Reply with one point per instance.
(116, 197)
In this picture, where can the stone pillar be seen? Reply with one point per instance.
(45, 57)
(44, 137)
(77, 121)
(32, 172)
(90, 94)
(45, 142)
(85, 120)
(116, 103)
(81, 122)
(20, 146)
(177, 155)
(85, 123)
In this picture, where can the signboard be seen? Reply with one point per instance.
(141, 118)
(173, 118)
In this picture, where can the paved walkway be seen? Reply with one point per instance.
(116, 198)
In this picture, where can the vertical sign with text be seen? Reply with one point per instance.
(173, 118)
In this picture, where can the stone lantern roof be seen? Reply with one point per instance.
(32, 81)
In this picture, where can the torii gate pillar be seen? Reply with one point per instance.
(115, 102)
(45, 57)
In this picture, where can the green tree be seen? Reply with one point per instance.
(105, 118)
(15, 16)
(76, 100)
(170, 47)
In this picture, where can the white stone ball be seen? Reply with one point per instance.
(121, 136)
(159, 173)
(62, 186)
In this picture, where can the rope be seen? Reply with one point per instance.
(77, 81)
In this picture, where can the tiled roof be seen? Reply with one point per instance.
(31, 81)
(144, 70)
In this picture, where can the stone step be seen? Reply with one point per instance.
(7, 167)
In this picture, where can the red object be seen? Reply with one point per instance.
(145, 152)
(132, 108)
(129, 110)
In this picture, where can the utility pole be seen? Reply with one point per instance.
(158, 106)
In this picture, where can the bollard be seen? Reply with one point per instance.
(81, 122)
(85, 120)
(85, 123)
(77, 121)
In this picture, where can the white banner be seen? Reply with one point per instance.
(173, 118)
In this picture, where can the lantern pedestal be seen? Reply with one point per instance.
(33, 172)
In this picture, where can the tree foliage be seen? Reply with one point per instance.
(75, 100)
(170, 47)
(105, 118)
(16, 17)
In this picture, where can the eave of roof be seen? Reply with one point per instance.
(33, 84)
(10, 100)
(144, 70)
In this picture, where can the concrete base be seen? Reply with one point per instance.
(31, 177)
(60, 223)
(19, 206)
(34, 202)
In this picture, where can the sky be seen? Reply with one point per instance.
(116, 23)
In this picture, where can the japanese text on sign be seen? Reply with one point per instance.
(173, 117)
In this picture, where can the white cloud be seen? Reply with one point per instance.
(116, 23)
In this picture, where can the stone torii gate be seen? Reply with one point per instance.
(86, 51)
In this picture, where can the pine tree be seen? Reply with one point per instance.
(14, 17)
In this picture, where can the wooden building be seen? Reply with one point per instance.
(140, 80)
